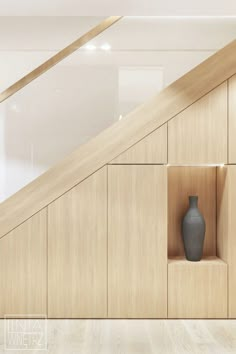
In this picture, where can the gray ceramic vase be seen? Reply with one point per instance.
(193, 231)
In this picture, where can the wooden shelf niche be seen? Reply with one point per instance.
(183, 182)
(195, 289)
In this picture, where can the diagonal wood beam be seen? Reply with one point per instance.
(47, 65)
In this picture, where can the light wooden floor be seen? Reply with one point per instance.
(137, 337)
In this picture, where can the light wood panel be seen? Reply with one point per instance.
(137, 242)
(23, 273)
(118, 138)
(199, 134)
(232, 119)
(183, 182)
(197, 289)
(47, 65)
(150, 150)
(77, 254)
(223, 236)
(226, 228)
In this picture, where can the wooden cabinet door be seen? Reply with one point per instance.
(23, 269)
(198, 135)
(77, 251)
(226, 228)
(232, 119)
(197, 289)
(137, 241)
(150, 150)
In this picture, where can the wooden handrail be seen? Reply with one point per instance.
(101, 27)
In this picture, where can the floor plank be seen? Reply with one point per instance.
(137, 337)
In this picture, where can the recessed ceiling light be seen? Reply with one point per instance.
(90, 47)
(105, 46)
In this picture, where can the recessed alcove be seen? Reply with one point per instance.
(195, 289)
(184, 181)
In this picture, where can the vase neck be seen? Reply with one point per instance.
(193, 201)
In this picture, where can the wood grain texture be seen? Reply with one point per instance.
(199, 134)
(232, 119)
(23, 272)
(118, 138)
(183, 182)
(197, 289)
(223, 213)
(77, 251)
(138, 337)
(137, 242)
(150, 150)
(226, 228)
(57, 58)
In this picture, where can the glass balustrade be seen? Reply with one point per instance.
(97, 86)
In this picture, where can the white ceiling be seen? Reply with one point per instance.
(121, 7)
(131, 33)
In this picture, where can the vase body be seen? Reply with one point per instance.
(193, 231)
